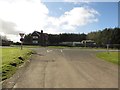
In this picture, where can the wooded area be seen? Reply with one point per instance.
(109, 36)
(103, 37)
(106, 36)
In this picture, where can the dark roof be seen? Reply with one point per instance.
(36, 33)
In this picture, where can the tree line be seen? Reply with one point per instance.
(101, 37)
(4, 41)
(55, 39)
(109, 36)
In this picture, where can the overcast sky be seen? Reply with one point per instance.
(55, 17)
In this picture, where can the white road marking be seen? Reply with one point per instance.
(49, 51)
(61, 51)
(10, 82)
(15, 86)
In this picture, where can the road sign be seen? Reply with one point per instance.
(21, 39)
(21, 34)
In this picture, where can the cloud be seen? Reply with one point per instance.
(22, 15)
(8, 27)
(27, 14)
(30, 15)
(79, 16)
(70, 20)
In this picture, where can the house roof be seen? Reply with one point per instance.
(36, 33)
(39, 34)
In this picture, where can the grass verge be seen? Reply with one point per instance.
(12, 58)
(111, 56)
(27, 46)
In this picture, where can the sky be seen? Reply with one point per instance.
(65, 16)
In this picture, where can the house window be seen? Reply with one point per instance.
(35, 37)
(35, 42)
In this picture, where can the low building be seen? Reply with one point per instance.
(76, 43)
(88, 43)
(71, 43)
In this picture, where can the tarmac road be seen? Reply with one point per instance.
(68, 68)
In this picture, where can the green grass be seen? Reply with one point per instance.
(10, 60)
(91, 48)
(27, 46)
(110, 57)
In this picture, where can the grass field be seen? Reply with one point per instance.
(12, 58)
(111, 56)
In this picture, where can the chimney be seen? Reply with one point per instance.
(41, 31)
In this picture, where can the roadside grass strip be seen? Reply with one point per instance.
(12, 58)
(27, 46)
(110, 57)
